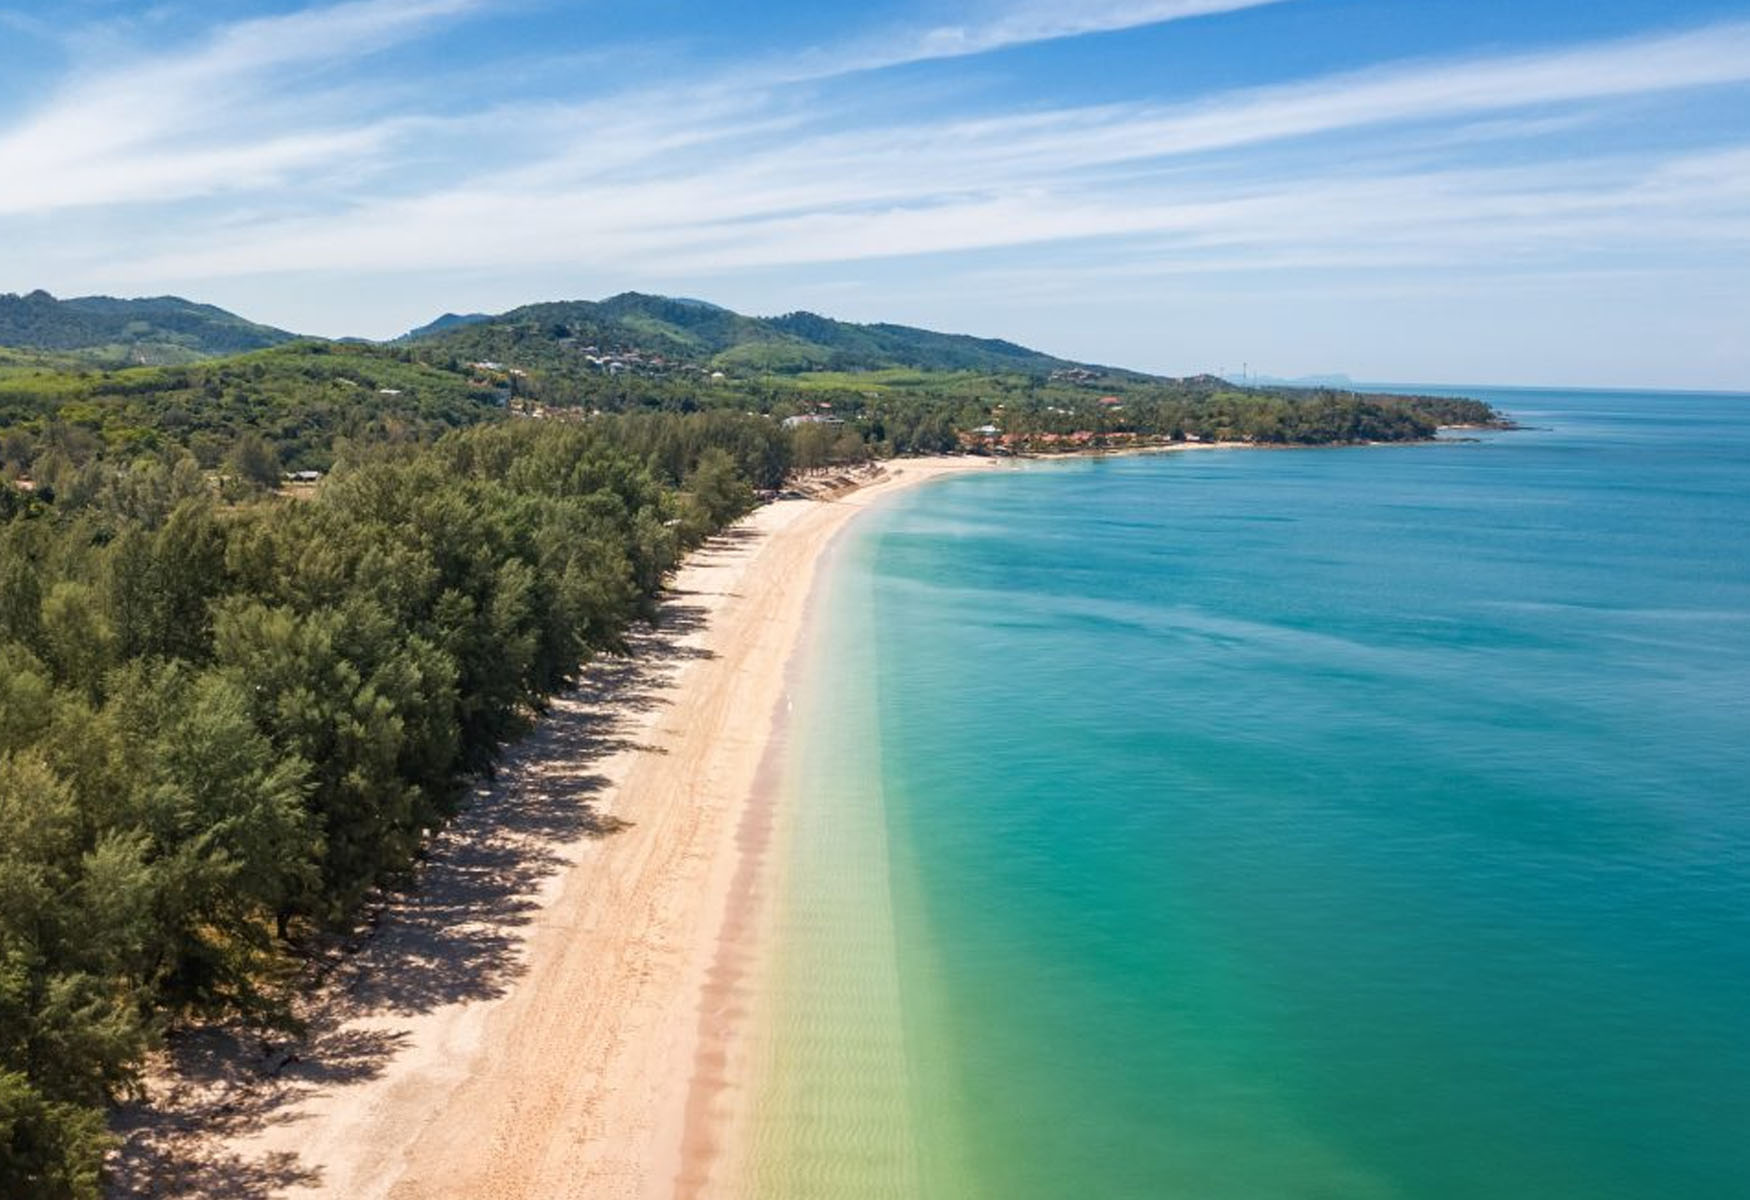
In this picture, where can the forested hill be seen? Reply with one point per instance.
(160, 330)
(693, 331)
(444, 323)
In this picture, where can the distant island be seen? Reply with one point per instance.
(1331, 380)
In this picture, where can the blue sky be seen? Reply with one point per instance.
(1511, 191)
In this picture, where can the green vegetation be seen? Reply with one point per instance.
(107, 331)
(699, 333)
(304, 400)
(221, 725)
(900, 390)
(447, 321)
(227, 714)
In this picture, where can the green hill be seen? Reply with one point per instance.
(158, 331)
(447, 321)
(694, 331)
(303, 398)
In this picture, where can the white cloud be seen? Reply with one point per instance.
(786, 197)
(205, 120)
(727, 223)
(1019, 25)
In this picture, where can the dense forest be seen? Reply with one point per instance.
(231, 708)
(222, 725)
(303, 401)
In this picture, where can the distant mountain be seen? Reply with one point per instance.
(168, 330)
(447, 321)
(159, 330)
(696, 303)
(699, 332)
(1305, 381)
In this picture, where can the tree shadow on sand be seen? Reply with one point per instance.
(454, 934)
(227, 1081)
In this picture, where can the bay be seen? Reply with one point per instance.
(1363, 822)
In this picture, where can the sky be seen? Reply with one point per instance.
(1550, 192)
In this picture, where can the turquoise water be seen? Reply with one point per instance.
(1341, 823)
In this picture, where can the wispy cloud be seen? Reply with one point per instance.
(1018, 25)
(206, 119)
(757, 187)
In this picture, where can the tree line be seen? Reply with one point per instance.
(301, 406)
(222, 725)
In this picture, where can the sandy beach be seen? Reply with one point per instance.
(550, 1012)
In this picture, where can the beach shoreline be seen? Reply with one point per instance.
(553, 1010)
(619, 870)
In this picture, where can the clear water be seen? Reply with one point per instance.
(1338, 823)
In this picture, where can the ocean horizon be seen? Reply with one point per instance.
(1360, 822)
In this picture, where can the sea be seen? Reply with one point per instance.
(1303, 824)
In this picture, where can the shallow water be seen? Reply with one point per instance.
(1337, 823)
